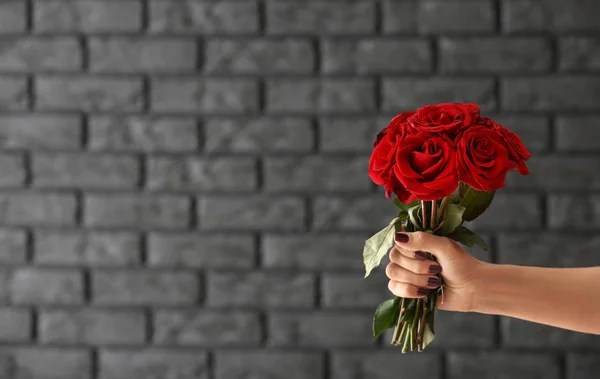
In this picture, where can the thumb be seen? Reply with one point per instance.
(443, 248)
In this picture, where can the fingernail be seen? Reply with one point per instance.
(435, 269)
(401, 237)
(421, 255)
(434, 282)
(422, 291)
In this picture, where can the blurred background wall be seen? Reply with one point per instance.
(185, 195)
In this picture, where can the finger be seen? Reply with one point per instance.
(443, 248)
(400, 274)
(407, 290)
(414, 265)
(420, 255)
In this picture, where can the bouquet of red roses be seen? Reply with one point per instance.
(442, 164)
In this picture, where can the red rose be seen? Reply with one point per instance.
(396, 124)
(517, 152)
(483, 160)
(448, 118)
(426, 166)
(383, 159)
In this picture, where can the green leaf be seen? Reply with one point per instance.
(475, 202)
(386, 316)
(428, 336)
(414, 216)
(454, 218)
(378, 245)
(405, 206)
(467, 237)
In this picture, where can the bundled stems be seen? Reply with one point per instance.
(412, 318)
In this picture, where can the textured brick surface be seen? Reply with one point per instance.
(91, 326)
(184, 189)
(206, 328)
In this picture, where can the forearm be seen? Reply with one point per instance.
(561, 297)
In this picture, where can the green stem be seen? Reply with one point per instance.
(397, 336)
(424, 214)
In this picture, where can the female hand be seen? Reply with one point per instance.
(412, 275)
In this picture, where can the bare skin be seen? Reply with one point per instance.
(561, 297)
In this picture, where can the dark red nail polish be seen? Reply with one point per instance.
(435, 269)
(422, 291)
(421, 255)
(401, 237)
(434, 282)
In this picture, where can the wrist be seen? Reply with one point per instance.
(491, 289)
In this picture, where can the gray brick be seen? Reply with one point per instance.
(254, 56)
(34, 208)
(533, 130)
(578, 133)
(260, 288)
(202, 174)
(399, 16)
(45, 363)
(13, 93)
(322, 329)
(136, 210)
(143, 133)
(188, 16)
(488, 365)
(316, 173)
(258, 135)
(13, 246)
(12, 167)
(259, 364)
(380, 364)
(251, 212)
(67, 170)
(494, 55)
(196, 250)
(350, 134)
(514, 211)
(576, 212)
(524, 334)
(149, 287)
(320, 17)
(40, 131)
(88, 93)
(354, 95)
(5, 284)
(558, 93)
(12, 17)
(352, 212)
(580, 172)
(86, 16)
(91, 326)
(148, 363)
(548, 249)
(199, 95)
(353, 290)
(134, 54)
(207, 328)
(399, 95)
(87, 248)
(582, 365)
(32, 285)
(579, 53)
(555, 15)
(15, 325)
(372, 55)
(40, 54)
(455, 16)
(312, 252)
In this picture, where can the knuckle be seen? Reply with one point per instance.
(419, 237)
(395, 272)
(394, 255)
(399, 289)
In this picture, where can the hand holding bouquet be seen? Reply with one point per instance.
(442, 164)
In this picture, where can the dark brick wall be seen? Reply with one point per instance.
(184, 191)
